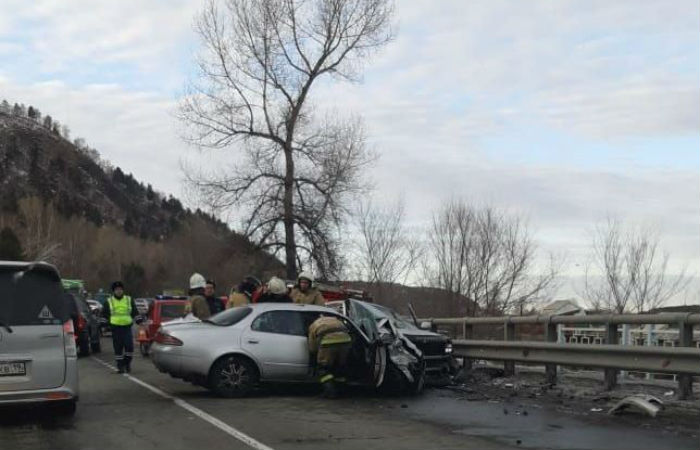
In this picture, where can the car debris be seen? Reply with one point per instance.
(646, 404)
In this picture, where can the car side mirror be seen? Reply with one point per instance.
(426, 325)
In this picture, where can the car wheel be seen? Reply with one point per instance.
(144, 348)
(96, 345)
(233, 377)
(84, 345)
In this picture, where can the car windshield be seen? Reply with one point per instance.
(400, 322)
(31, 298)
(230, 316)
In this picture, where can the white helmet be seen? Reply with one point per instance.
(197, 281)
(276, 286)
(306, 276)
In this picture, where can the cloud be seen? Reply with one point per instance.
(85, 35)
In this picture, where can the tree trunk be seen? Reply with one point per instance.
(290, 246)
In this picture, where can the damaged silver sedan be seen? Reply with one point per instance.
(236, 350)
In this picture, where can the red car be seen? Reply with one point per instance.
(160, 310)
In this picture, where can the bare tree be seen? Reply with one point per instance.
(486, 255)
(260, 61)
(39, 232)
(387, 253)
(633, 270)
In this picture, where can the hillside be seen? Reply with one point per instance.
(94, 221)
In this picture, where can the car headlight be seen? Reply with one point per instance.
(448, 348)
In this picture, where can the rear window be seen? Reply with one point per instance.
(172, 311)
(32, 298)
(230, 316)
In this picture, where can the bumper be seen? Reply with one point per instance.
(68, 391)
(437, 370)
(166, 359)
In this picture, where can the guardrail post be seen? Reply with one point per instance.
(551, 335)
(685, 381)
(509, 335)
(611, 339)
(467, 333)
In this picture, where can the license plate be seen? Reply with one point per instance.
(12, 368)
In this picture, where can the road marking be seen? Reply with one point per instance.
(249, 441)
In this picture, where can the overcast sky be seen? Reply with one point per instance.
(566, 111)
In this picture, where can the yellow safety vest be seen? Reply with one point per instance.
(120, 311)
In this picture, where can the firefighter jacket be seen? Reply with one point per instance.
(311, 297)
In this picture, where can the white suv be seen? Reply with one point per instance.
(38, 358)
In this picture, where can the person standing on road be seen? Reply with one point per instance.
(213, 302)
(120, 311)
(197, 304)
(329, 346)
(243, 294)
(276, 292)
(305, 292)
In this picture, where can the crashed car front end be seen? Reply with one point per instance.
(406, 368)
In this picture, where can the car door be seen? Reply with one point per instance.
(278, 340)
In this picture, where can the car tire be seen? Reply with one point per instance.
(233, 377)
(84, 345)
(66, 407)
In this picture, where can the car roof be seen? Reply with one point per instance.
(33, 265)
(290, 307)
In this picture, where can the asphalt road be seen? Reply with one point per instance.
(151, 410)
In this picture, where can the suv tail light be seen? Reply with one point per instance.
(164, 338)
(82, 323)
(69, 338)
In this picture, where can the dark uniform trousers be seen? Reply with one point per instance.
(123, 342)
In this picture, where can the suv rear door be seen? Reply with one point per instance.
(32, 311)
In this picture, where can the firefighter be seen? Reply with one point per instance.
(305, 292)
(197, 304)
(329, 346)
(244, 293)
(275, 292)
(120, 311)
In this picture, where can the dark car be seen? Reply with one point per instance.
(85, 324)
(436, 348)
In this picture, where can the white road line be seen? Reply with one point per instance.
(249, 441)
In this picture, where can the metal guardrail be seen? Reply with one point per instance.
(684, 361)
(673, 360)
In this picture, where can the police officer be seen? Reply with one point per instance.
(329, 344)
(305, 292)
(244, 293)
(197, 304)
(120, 311)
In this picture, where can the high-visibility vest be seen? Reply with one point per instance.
(120, 311)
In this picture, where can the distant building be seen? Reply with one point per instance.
(568, 307)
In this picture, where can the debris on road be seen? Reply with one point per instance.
(646, 404)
